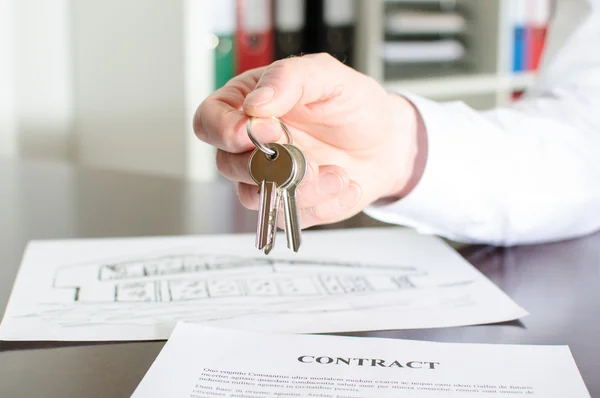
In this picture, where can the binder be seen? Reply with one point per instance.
(518, 13)
(254, 34)
(330, 26)
(536, 32)
(223, 37)
(339, 23)
(289, 27)
(313, 29)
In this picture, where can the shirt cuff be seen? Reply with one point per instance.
(435, 204)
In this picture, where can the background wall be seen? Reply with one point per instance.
(43, 78)
(128, 63)
(8, 140)
(35, 78)
(109, 84)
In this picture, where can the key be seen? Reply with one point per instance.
(267, 215)
(271, 174)
(290, 211)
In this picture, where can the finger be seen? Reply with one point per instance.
(336, 208)
(343, 206)
(221, 122)
(319, 188)
(297, 80)
(315, 190)
(248, 195)
(234, 166)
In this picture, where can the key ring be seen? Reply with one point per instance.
(267, 151)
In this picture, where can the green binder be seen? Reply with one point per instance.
(223, 55)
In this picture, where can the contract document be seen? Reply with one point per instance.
(200, 362)
(341, 281)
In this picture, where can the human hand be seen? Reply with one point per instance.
(361, 142)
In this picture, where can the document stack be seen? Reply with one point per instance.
(424, 38)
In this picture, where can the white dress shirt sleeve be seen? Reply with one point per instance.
(523, 174)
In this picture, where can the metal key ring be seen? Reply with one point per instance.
(262, 147)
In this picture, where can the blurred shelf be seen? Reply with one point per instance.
(451, 2)
(461, 85)
(522, 81)
(446, 87)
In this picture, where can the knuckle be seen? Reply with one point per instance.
(324, 58)
(285, 63)
(375, 89)
(280, 67)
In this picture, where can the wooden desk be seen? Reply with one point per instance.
(557, 283)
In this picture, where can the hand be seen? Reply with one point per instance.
(361, 142)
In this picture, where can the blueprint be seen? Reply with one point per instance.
(139, 288)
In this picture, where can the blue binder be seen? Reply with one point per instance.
(520, 49)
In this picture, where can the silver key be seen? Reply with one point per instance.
(290, 212)
(271, 174)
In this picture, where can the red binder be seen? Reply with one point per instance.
(539, 12)
(536, 37)
(254, 34)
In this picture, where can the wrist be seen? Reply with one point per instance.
(408, 149)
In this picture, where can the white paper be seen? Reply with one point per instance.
(200, 362)
(139, 288)
(422, 51)
(424, 22)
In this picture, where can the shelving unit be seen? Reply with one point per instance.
(489, 34)
(453, 87)
(130, 94)
(490, 81)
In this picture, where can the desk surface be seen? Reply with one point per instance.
(557, 283)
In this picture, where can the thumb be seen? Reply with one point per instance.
(296, 81)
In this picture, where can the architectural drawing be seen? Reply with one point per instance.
(185, 277)
(139, 288)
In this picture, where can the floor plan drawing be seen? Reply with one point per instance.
(139, 288)
(187, 277)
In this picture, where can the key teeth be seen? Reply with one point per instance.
(272, 230)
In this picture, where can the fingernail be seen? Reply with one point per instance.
(350, 196)
(331, 183)
(260, 96)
